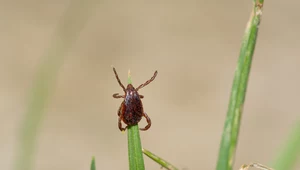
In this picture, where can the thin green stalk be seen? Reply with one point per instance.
(159, 160)
(135, 154)
(290, 153)
(93, 164)
(136, 160)
(232, 124)
(66, 34)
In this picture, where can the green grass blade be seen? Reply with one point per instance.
(159, 160)
(135, 154)
(70, 25)
(238, 92)
(93, 164)
(290, 154)
(136, 160)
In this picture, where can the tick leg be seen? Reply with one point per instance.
(148, 121)
(141, 96)
(120, 125)
(116, 95)
(121, 117)
(147, 82)
(119, 81)
(120, 109)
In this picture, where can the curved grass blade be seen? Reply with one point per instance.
(238, 92)
(159, 160)
(290, 154)
(135, 154)
(71, 23)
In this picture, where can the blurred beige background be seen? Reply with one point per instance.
(194, 45)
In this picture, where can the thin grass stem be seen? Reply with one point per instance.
(233, 119)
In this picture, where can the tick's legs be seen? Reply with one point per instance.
(119, 81)
(120, 125)
(147, 82)
(120, 108)
(116, 95)
(120, 118)
(119, 111)
(148, 121)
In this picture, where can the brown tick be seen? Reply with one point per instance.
(131, 110)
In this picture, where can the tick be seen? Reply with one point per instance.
(131, 110)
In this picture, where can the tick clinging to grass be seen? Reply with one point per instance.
(131, 110)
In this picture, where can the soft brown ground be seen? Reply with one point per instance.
(194, 45)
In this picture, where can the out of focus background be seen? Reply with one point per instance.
(194, 45)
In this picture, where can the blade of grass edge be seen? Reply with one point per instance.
(68, 29)
(93, 164)
(290, 153)
(159, 160)
(135, 154)
(238, 92)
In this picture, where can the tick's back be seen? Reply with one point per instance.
(133, 108)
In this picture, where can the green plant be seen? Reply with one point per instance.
(93, 164)
(54, 57)
(159, 160)
(135, 154)
(238, 92)
(290, 153)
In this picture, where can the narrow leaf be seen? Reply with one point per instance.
(159, 160)
(238, 92)
(93, 164)
(290, 153)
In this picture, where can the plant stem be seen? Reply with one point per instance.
(93, 164)
(159, 160)
(136, 160)
(291, 151)
(238, 92)
(135, 154)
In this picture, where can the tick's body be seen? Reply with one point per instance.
(131, 110)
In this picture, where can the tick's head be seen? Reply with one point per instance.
(130, 87)
(131, 91)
